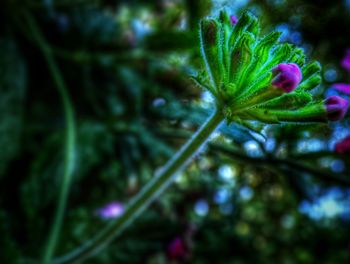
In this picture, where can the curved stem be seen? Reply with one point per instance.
(69, 145)
(148, 194)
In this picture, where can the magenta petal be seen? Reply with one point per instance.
(288, 76)
(342, 87)
(343, 146)
(177, 249)
(346, 60)
(336, 107)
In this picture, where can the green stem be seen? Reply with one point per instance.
(148, 194)
(69, 145)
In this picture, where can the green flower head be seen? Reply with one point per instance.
(255, 77)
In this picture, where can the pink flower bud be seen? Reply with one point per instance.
(287, 76)
(233, 20)
(343, 146)
(177, 249)
(336, 107)
(346, 60)
(342, 87)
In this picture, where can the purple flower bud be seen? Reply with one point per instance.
(233, 20)
(343, 146)
(177, 249)
(346, 60)
(111, 210)
(336, 107)
(287, 76)
(342, 87)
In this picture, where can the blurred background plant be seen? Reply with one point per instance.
(104, 86)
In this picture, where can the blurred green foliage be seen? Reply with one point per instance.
(126, 66)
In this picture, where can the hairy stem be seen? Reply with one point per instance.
(148, 194)
(69, 144)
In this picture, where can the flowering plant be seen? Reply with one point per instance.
(252, 78)
(259, 78)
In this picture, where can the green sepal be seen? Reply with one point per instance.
(311, 83)
(288, 101)
(298, 56)
(254, 126)
(211, 48)
(261, 95)
(311, 76)
(253, 27)
(279, 54)
(240, 56)
(257, 92)
(315, 112)
(230, 91)
(262, 49)
(260, 82)
(226, 30)
(261, 56)
(225, 18)
(262, 116)
(198, 81)
(310, 69)
(243, 22)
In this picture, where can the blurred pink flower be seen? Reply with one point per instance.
(343, 146)
(111, 210)
(177, 249)
(287, 76)
(336, 107)
(342, 87)
(346, 60)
